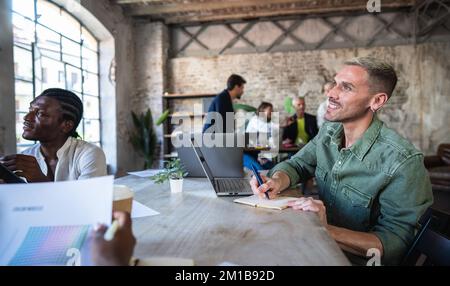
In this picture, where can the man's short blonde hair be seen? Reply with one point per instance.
(382, 76)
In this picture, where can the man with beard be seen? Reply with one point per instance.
(223, 104)
(373, 186)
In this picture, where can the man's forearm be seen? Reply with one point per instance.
(354, 241)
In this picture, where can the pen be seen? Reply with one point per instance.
(259, 179)
(111, 231)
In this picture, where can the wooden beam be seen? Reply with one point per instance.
(265, 5)
(171, 8)
(121, 2)
(185, 19)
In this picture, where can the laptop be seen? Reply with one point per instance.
(222, 186)
(226, 162)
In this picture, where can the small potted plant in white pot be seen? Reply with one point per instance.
(174, 172)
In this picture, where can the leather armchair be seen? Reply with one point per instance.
(439, 168)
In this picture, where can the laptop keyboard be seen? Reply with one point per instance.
(233, 185)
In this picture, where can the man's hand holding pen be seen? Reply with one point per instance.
(271, 187)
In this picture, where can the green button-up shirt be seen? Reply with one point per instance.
(378, 185)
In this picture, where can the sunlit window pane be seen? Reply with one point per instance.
(73, 78)
(71, 52)
(24, 95)
(37, 71)
(80, 129)
(70, 27)
(91, 107)
(52, 73)
(90, 85)
(24, 7)
(90, 60)
(23, 30)
(49, 15)
(48, 42)
(19, 129)
(91, 130)
(53, 50)
(23, 64)
(88, 40)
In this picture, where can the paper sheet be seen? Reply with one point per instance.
(140, 210)
(278, 203)
(146, 173)
(46, 223)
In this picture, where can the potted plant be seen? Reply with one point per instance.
(144, 138)
(174, 172)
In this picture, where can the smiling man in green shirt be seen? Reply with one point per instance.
(373, 186)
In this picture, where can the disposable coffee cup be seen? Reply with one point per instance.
(123, 198)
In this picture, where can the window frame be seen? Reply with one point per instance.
(32, 47)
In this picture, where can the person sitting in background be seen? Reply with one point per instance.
(58, 156)
(302, 127)
(322, 109)
(261, 125)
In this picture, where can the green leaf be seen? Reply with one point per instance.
(148, 118)
(173, 170)
(244, 107)
(288, 107)
(163, 117)
(135, 119)
(143, 138)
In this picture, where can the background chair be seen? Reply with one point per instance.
(430, 247)
(439, 168)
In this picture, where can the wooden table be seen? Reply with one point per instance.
(198, 225)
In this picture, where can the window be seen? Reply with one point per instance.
(53, 49)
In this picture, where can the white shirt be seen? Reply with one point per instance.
(77, 160)
(258, 125)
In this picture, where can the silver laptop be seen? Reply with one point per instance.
(224, 162)
(222, 186)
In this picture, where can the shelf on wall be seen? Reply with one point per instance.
(167, 126)
(187, 95)
(175, 115)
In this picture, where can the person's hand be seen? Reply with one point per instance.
(311, 205)
(271, 186)
(1, 181)
(24, 166)
(119, 250)
(288, 121)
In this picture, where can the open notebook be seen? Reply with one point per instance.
(278, 203)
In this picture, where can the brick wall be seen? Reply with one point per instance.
(418, 110)
(149, 70)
